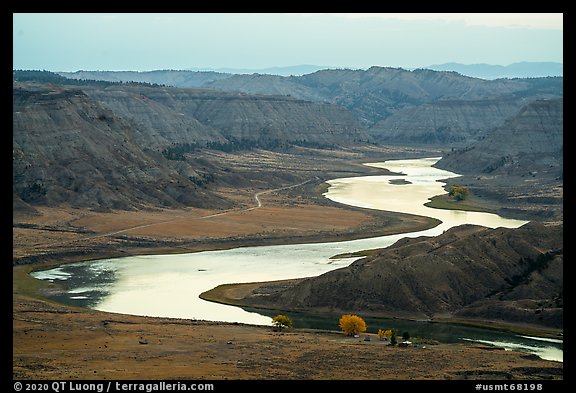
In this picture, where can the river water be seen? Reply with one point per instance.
(169, 285)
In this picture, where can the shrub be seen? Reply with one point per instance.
(281, 321)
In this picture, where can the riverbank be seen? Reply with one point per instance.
(56, 342)
(471, 204)
(293, 214)
(62, 236)
(54, 236)
(90, 235)
(239, 295)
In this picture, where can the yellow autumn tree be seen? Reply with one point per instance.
(281, 321)
(391, 334)
(352, 324)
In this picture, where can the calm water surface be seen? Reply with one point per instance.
(169, 285)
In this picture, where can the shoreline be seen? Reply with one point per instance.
(35, 288)
(98, 344)
(66, 256)
(26, 285)
(235, 294)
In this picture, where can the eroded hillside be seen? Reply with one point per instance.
(130, 147)
(519, 166)
(511, 275)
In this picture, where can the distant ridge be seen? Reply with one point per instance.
(375, 95)
(523, 69)
(295, 70)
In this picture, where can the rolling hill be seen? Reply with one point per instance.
(510, 275)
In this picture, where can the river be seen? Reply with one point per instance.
(169, 285)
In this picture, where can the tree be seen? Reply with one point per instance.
(381, 334)
(281, 321)
(391, 333)
(459, 193)
(352, 324)
(405, 336)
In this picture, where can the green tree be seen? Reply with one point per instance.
(281, 321)
(405, 336)
(459, 193)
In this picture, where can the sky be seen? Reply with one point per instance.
(144, 42)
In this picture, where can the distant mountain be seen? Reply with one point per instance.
(399, 106)
(160, 77)
(296, 70)
(515, 70)
(374, 94)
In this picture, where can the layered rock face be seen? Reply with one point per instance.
(104, 147)
(372, 95)
(444, 121)
(70, 149)
(530, 141)
(377, 93)
(255, 117)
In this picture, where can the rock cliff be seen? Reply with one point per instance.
(106, 146)
(531, 141)
(444, 121)
(68, 148)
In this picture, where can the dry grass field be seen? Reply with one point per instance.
(53, 342)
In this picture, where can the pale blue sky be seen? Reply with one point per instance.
(141, 42)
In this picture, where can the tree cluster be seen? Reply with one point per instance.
(44, 76)
(351, 325)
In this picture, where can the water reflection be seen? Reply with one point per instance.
(169, 285)
(549, 349)
(382, 193)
